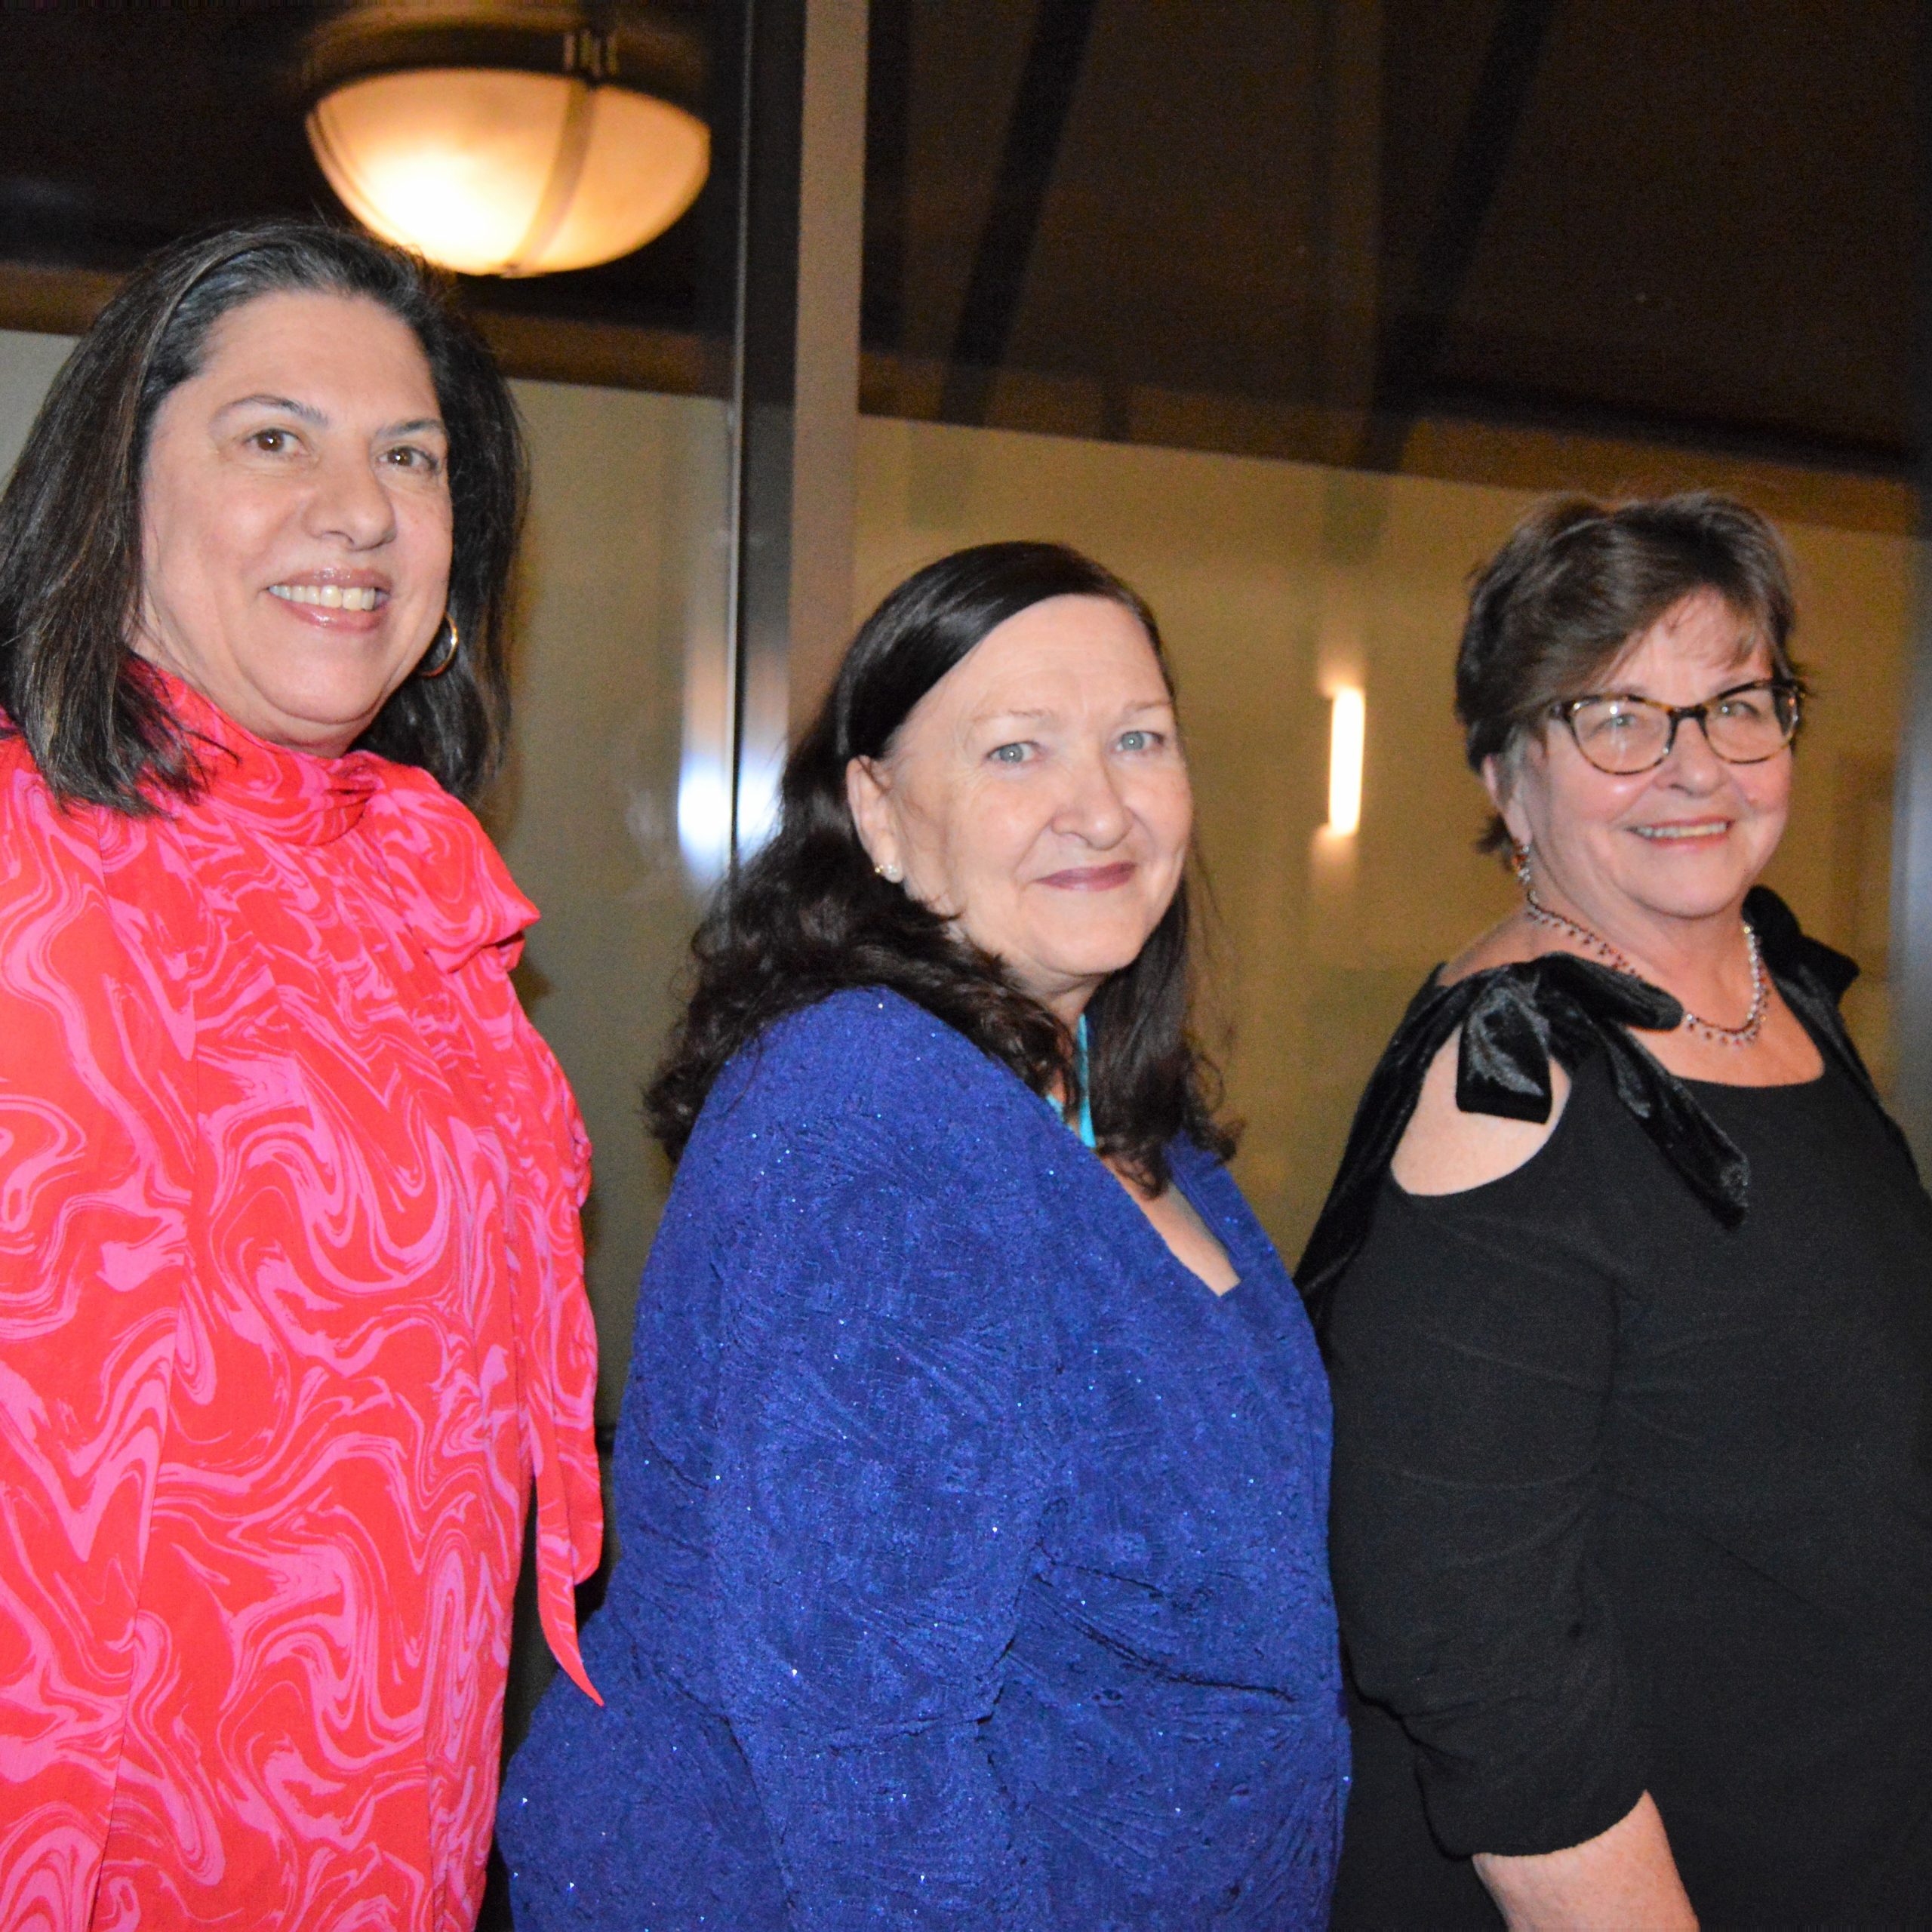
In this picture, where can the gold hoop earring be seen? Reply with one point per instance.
(442, 652)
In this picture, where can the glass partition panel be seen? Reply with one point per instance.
(27, 365)
(623, 613)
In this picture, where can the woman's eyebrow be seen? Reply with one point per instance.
(306, 411)
(1721, 691)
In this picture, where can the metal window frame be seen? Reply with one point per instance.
(795, 389)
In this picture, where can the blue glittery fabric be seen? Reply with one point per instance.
(973, 1568)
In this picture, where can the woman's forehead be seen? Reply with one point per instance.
(1703, 634)
(320, 353)
(1063, 651)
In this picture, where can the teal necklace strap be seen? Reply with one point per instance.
(1083, 1126)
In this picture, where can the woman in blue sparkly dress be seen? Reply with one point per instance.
(972, 1481)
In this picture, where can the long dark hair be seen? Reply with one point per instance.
(807, 915)
(70, 519)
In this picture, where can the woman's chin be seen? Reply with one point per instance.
(1078, 966)
(1717, 897)
(327, 709)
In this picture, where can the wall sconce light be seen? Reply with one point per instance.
(510, 137)
(1347, 730)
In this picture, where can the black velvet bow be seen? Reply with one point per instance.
(1515, 1020)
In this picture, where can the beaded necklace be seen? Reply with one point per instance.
(1709, 1030)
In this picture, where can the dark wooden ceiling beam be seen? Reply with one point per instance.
(1005, 252)
(888, 160)
(1413, 334)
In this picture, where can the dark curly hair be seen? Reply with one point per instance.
(70, 520)
(807, 915)
(1577, 580)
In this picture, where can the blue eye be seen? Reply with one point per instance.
(1137, 741)
(1014, 754)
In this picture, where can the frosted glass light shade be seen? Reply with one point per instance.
(491, 171)
(1348, 731)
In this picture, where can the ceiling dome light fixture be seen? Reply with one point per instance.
(509, 137)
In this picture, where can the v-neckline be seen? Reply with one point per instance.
(1209, 1221)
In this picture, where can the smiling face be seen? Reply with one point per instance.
(1037, 797)
(1685, 840)
(295, 518)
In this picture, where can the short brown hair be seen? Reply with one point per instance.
(1578, 580)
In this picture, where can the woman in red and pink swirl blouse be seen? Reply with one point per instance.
(292, 1316)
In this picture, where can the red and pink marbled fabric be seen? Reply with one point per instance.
(291, 1314)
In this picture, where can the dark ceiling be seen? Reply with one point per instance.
(1696, 223)
(1644, 217)
(1708, 213)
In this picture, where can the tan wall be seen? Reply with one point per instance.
(1272, 581)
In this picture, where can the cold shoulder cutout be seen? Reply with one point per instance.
(1449, 1149)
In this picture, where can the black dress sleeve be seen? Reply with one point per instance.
(1472, 1343)
(1513, 1021)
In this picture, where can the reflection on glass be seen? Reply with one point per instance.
(704, 815)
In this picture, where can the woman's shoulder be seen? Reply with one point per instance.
(1448, 1148)
(867, 1066)
(1470, 1069)
(46, 846)
(862, 1124)
(1471, 1087)
(866, 1045)
(96, 927)
(456, 890)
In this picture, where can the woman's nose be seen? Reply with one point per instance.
(349, 503)
(1094, 809)
(1690, 760)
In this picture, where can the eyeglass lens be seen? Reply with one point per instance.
(1629, 734)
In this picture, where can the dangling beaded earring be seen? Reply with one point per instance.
(443, 649)
(1519, 859)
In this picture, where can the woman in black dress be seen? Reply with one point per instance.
(1626, 1287)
